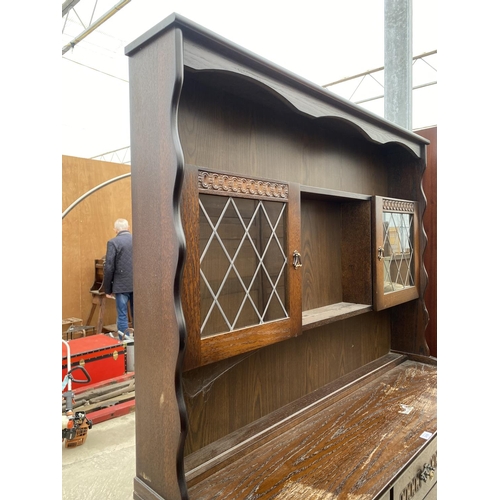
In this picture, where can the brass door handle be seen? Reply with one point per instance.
(427, 472)
(380, 253)
(296, 260)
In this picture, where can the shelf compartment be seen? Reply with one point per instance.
(336, 251)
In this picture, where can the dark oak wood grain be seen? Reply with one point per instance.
(202, 463)
(156, 172)
(429, 184)
(226, 343)
(200, 102)
(227, 395)
(355, 447)
(317, 103)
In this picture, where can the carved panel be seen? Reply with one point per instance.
(234, 185)
(420, 477)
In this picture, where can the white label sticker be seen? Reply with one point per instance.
(405, 409)
(426, 435)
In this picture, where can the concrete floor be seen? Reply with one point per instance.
(103, 468)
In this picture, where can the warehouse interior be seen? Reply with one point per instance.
(83, 171)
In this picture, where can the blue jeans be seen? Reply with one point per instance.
(122, 299)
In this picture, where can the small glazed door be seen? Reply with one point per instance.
(242, 283)
(396, 253)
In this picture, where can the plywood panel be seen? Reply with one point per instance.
(87, 228)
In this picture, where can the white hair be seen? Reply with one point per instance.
(121, 225)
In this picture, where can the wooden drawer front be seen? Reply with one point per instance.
(410, 486)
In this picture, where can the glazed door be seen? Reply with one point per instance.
(244, 255)
(396, 252)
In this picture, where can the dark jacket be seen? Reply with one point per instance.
(118, 277)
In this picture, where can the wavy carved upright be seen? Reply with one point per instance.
(159, 247)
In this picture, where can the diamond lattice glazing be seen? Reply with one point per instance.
(242, 262)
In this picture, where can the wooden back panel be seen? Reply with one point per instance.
(221, 131)
(225, 396)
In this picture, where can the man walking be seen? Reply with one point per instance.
(118, 277)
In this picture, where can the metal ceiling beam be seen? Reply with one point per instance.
(375, 70)
(95, 25)
(416, 87)
(68, 5)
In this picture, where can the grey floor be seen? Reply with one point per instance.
(103, 468)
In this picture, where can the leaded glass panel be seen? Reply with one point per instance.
(242, 262)
(398, 253)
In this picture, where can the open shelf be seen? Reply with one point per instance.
(331, 194)
(333, 312)
(336, 256)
